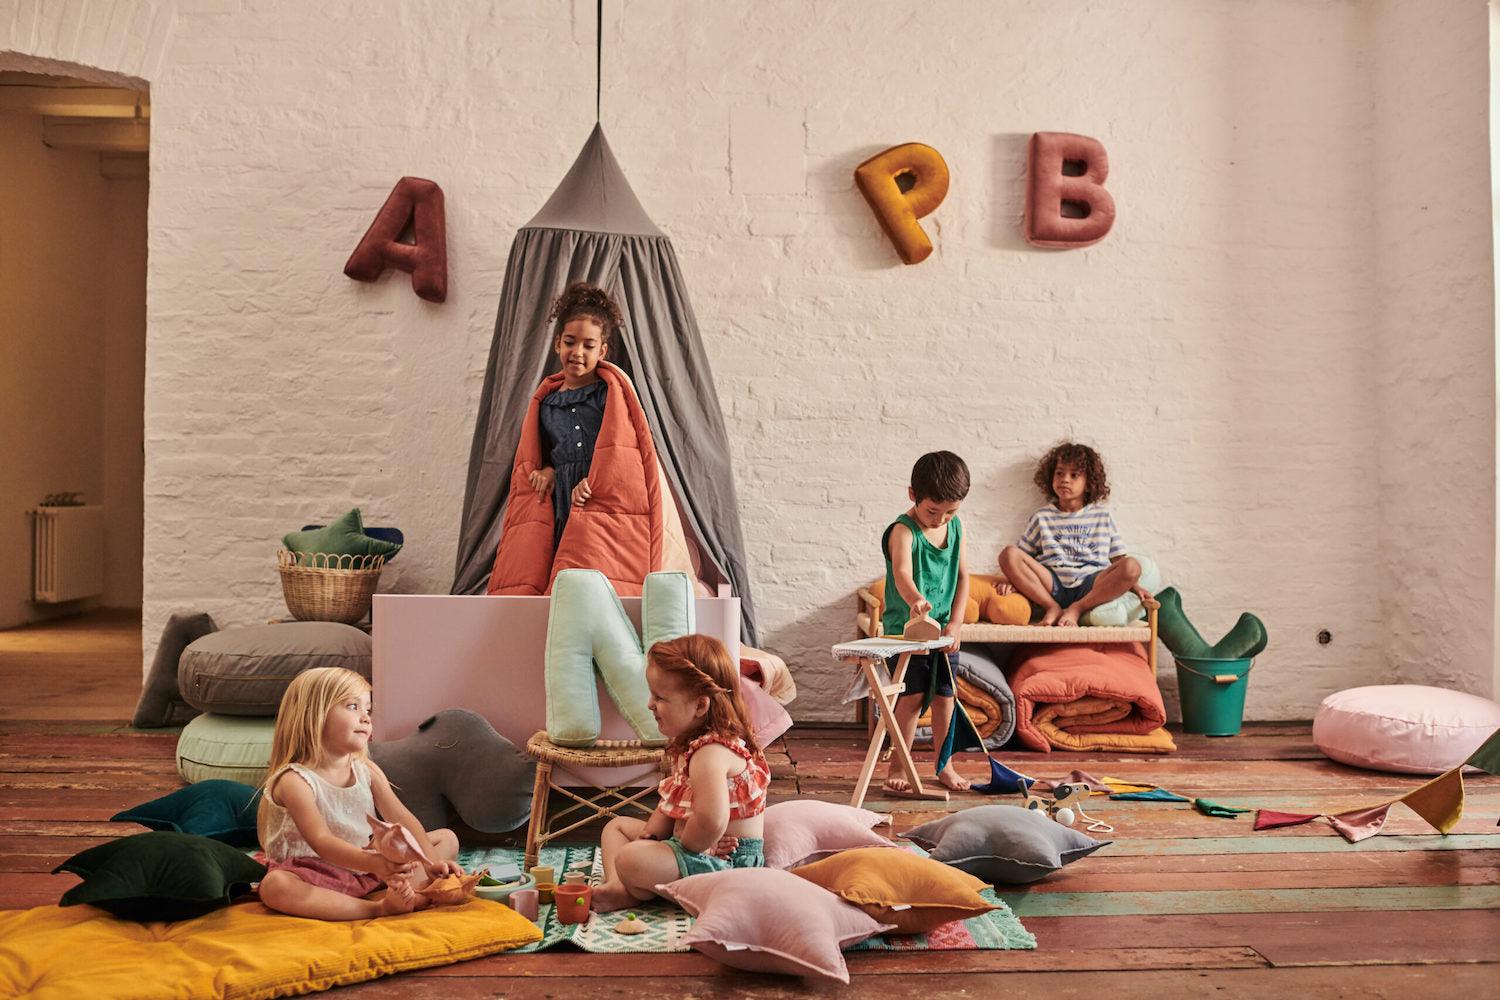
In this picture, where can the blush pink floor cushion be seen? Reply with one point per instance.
(1408, 728)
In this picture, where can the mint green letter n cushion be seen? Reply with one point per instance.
(588, 626)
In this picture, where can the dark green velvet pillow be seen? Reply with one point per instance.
(217, 809)
(344, 537)
(160, 876)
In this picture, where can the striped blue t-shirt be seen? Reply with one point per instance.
(1072, 545)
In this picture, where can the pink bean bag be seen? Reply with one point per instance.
(1407, 728)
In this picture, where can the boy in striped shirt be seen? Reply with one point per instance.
(1070, 557)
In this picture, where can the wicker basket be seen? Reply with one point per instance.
(326, 588)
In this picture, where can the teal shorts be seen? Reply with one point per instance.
(751, 853)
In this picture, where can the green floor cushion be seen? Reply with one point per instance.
(586, 627)
(161, 702)
(159, 876)
(343, 537)
(217, 809)
(245, 671)
(1127, 607)
(234, 748)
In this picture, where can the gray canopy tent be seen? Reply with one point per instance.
(594, 229)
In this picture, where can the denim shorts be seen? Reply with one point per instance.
(751, 853)
(919, 675)
(1068, 596)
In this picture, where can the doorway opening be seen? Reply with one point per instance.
(74, 158)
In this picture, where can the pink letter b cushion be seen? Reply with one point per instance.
(1407, 728)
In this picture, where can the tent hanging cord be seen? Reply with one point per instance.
(598, 56)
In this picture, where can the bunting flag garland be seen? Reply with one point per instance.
(1003, 779)
(1209, 808)
(1440, 802)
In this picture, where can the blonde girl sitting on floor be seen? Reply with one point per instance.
(312, 821)
(712, 801)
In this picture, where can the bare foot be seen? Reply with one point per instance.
(611, 896)
(895, 783)
(399, 897)
(1069, 618)
(952, 780)
(1050, 616)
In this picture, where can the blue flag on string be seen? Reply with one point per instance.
(1003, 779)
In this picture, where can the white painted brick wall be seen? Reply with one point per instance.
(1220, 346)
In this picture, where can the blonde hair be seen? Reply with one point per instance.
(702, 667)
(298, 738)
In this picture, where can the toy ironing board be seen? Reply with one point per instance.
(871, 655)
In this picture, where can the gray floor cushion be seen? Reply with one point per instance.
(245, 671)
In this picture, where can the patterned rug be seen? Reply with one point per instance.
(999, 929)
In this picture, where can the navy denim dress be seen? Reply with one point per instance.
(570, 419)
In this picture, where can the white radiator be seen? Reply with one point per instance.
(67, 553)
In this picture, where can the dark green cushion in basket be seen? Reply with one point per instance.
(159, 876)
(217, 809)
(345, 536)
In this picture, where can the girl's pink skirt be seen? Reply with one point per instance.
(316, 871)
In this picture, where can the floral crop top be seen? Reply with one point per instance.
(747, 790)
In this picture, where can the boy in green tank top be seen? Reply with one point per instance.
(925, 573)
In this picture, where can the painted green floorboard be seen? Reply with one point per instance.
(1274, 844)
(1120, 904)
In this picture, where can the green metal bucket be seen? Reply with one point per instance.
(1213, 693)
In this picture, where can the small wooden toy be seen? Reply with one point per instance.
(632, 924)
(921, 628)
(452, 889)
(1066, 806)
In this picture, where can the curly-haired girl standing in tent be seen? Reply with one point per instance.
(586, 321)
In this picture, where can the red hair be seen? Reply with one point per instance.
(701, 666)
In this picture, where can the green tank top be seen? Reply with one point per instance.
(934, 570)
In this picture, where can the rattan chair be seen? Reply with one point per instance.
(609, 802)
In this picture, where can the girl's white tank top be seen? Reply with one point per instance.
(343, 809)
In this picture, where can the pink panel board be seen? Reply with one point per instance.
(485, 654)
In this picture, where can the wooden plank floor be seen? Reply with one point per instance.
(1179, 905)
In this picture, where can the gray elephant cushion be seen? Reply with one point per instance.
(457, 758)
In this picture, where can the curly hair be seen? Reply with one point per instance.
(1079, 456)
(582, 300)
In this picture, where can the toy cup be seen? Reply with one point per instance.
(524, 902)
(571, 903)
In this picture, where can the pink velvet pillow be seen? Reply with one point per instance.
(764, 920)
(1406, 728)
(806, 830)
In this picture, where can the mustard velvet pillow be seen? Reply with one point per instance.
(914, 893)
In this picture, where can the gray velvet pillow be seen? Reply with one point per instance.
(245, 671)
(457, 758)
(1004, 845)
(161, 703)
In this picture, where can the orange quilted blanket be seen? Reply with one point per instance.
(1089, 697)
(619, 532)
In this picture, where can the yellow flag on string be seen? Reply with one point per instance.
(1441, 801)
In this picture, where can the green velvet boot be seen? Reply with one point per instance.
(1176, 632)
(1245, 640)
